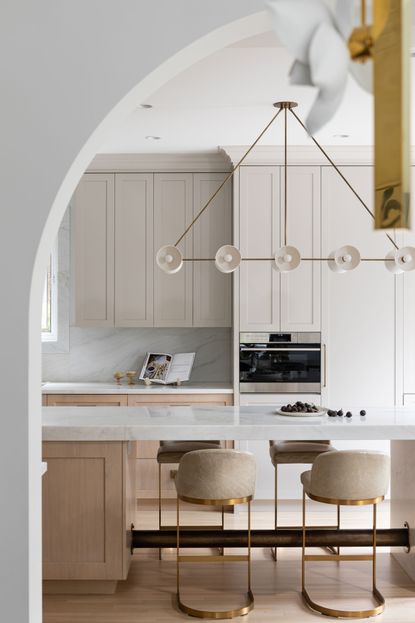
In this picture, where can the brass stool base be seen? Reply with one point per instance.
(347, 614)
(217, 614)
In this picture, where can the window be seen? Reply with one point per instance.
(56, 294)
(50, 300)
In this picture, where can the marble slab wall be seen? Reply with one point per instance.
(94, 354)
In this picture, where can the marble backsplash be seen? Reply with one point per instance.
(94, 354)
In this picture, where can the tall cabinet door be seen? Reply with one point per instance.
(407, 280)
(134, 257)
(359, 309)
(259, 235)
(301, 288)
(211, 288)
(93, 212)
(173, 210)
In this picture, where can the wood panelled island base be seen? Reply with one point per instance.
(88, 512)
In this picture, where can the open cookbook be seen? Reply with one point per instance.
(164, 368)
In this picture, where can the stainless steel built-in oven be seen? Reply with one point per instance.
(280, 362)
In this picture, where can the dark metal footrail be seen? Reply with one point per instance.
(388, 537)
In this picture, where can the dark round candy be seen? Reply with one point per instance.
(331, 413)
(349, 414)
(340, 413)
(363, 412)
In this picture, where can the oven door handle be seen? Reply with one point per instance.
(280, 350)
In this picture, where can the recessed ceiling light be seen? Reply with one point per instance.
(153, 138)
(144, 106)
(341, 135)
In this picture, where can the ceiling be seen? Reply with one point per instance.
(226, 99)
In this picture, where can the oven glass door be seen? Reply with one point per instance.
(260, 363)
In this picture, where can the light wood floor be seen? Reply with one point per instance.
(148, 594)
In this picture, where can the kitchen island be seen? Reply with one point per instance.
(80, 442)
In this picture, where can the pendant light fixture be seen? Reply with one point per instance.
(228, 258)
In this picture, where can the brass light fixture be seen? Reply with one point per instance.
(387, 42)
(227, 259)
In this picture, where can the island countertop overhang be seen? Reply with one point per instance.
(218, 422)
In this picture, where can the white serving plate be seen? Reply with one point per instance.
(323, 411)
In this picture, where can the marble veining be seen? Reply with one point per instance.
(95, 354)
(215, 422)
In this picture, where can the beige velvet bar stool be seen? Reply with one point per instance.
(171, 453)
(216, 477)
(350, 478)
(293, 453)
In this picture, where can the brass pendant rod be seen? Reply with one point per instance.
(346, 181)
(303, 259)
(228, 177)
(285, 176)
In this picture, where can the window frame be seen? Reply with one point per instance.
(57, 341)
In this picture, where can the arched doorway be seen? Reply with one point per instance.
(203, 46)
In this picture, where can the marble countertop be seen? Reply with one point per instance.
(215, 422)
(124, 388)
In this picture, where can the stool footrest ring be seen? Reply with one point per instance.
(347, 614)
(217, 614)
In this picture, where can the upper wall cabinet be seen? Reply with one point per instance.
(134, 255)
(259, 235)
(300, 289)
(121, 220)
(94, 256)
(173, 212)
(269, 300)
(211, 288)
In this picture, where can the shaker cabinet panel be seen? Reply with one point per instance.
(134, 259)
(301, 288)
(359, 306)
(94, 250)
(173, 212)
(211, 288)
(88, 508)
(259, 235)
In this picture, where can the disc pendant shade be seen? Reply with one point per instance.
(344, 259)
(227, 258)
(286, 259)
(401, 260)
(169, 259)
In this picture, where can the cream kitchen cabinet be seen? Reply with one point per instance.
(358, 306)
(133, 252)
(173, 212)
(259, 235)
(269, 300)
(301, 288)
(211, 288)
(93, 219)
(121, 220)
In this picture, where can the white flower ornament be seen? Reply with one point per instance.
(317, 37)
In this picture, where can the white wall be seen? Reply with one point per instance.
(64, 66)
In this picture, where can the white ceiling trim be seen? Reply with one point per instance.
(300, 155)
(208, 162)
